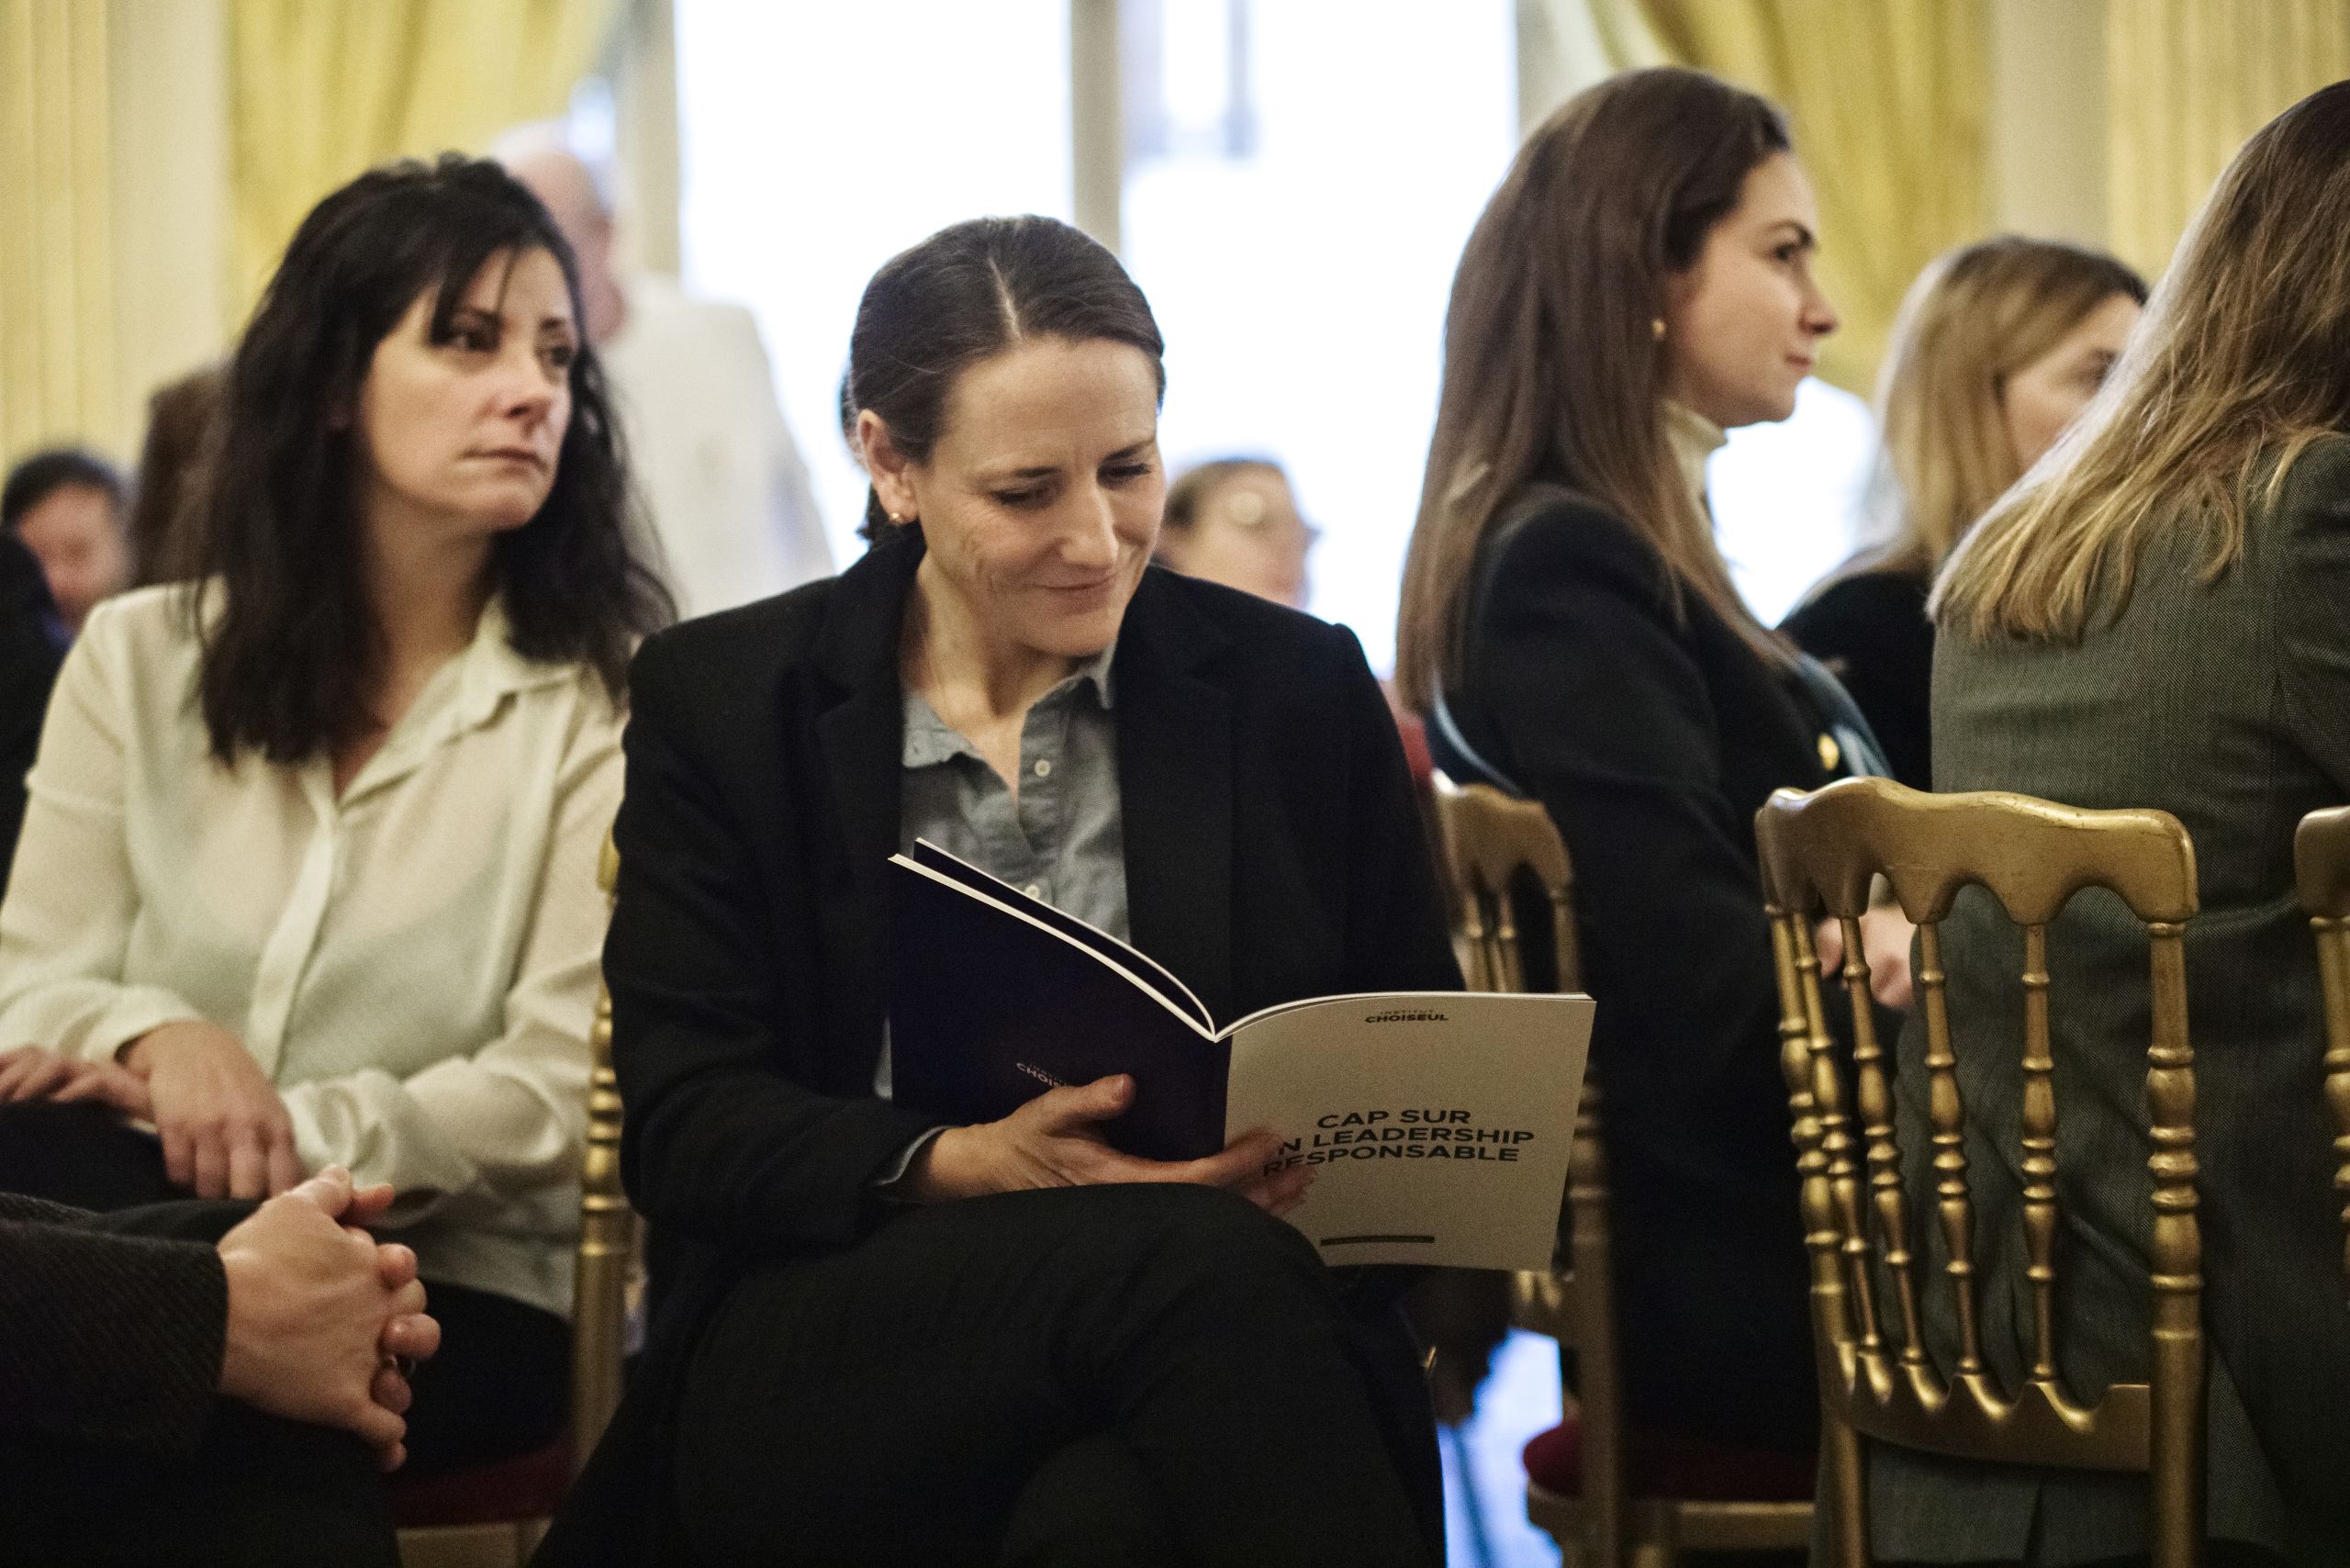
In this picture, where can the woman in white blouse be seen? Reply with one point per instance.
(308, 874)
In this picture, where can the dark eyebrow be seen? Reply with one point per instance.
(1804, 237)
(1136, 450)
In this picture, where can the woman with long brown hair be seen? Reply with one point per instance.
(1999, 348)
(2153, 618)
(1641, 280)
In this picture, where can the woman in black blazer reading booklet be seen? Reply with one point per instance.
(877, 1340)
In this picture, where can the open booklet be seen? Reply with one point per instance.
(1437, 1122)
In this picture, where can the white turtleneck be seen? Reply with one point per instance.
(1692, 438)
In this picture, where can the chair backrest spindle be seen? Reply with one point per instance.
(1820, 855)
(2321, 867)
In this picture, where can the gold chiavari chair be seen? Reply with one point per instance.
(609, 1283)
(1820, 853)
(2321, 868)
(493, 1516)
(1614, 1514)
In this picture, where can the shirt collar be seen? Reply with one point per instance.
(1692, 438)
(929, 739)
(491, 670)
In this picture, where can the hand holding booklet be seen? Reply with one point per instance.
(1437, 1122)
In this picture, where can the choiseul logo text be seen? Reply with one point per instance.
(1408, 1015)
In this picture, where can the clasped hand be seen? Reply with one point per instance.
(1055, 1140)
(321, 1318)
(1884, 941)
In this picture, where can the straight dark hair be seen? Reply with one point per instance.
(1554, 366)
(966, 293)
(292, 655)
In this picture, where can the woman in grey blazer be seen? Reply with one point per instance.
(2159, 615)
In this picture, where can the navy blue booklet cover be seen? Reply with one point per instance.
(996, 997)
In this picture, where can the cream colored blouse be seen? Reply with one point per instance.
(414, 964)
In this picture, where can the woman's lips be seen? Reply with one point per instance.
(514, 455)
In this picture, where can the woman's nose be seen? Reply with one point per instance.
(1819, 316)
(1092, 536)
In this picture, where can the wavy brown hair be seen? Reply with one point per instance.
(293, 655)
(2241, 361)
(1973, 319)
(1551, 368)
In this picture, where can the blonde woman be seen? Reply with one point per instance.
(1999, 348)
(2155, 618)
(1235, 521)
(1642, 279)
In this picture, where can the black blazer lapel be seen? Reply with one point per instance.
(1175, 781)
(860, 740)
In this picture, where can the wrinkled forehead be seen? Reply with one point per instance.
(1050, 403)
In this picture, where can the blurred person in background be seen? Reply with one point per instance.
(708, 447)
(66, 505)
(171, 473)
(1999, 348)
(1234, 521)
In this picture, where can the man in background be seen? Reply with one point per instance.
(66, 505)
(707, 444)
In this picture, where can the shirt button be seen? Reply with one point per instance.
(1034, 890)
(1044, 768)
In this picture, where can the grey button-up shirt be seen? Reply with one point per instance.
(1063, 840)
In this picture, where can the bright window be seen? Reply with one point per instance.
(1300, 177)
(820, 140)
(1788, 499)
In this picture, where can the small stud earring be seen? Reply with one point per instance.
(1656, 328)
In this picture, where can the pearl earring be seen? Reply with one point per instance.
(1656, 328)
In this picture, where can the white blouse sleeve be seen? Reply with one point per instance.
(72, 897)
(476, 1129)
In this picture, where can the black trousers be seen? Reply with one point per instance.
(256, 1491)
(1138, 1375)
(500, 1384)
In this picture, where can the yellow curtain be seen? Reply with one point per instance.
(2187, 81)
(1889, 102)
(323, 89)
(57, 325)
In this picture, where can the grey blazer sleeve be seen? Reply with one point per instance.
(2311, 592)
(105, 1338)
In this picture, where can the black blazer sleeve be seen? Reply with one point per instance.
(105, 1338)
(1870, 630)
(719, 1143)
(1601, 709)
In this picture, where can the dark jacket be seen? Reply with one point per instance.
(105, 1338)
(1652, 736)
(2226, 703)
(1870, 628)
(1272, 851)
(30, 658)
